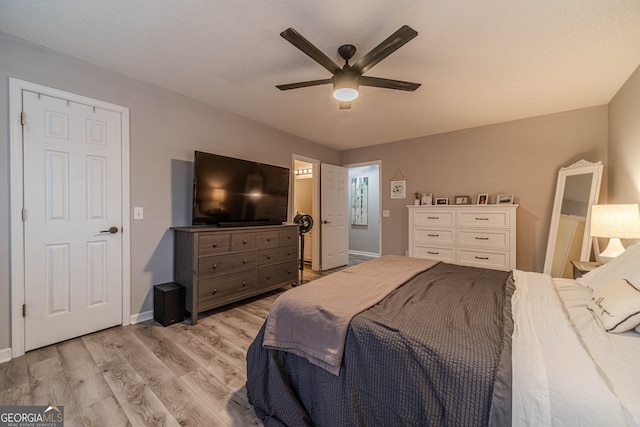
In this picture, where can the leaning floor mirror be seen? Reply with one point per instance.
(577, 190)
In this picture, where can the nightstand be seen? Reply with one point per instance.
(582, 267)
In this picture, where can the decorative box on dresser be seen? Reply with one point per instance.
(218, 266)
(473, 235)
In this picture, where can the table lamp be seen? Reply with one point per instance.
(615, 222)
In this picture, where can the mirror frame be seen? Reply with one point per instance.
(581, 167)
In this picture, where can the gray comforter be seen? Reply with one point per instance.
(435, 352)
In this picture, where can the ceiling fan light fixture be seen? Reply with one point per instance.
(346, 80)
(345, 94)
(345, 86)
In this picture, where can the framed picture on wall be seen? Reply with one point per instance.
(399, 188)
(359, 200)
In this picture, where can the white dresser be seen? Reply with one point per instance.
(473, 235)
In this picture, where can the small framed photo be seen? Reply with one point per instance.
(503, 199)
(442, 200)
(483, 199)
(462, 200)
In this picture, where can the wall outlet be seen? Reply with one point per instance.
(138, 213)
(386, 213)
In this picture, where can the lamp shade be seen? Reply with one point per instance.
(615, 222)
(621, 221)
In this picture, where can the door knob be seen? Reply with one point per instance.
(112, 230)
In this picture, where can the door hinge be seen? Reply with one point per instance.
(24, 310)
(24, 214)
(23, 118)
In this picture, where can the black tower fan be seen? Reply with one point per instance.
(306, 224)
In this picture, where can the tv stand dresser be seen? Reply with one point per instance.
(218, 266)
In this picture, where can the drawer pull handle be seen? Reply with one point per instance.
(214, 266)
(433, 235)
(433, 253)
(244, 261)
(268, 239)
(289, 236)
(214, 292)
(482, 257)
(482, 219)
(268, 277)
(244, 284)
(482, 238)
(244, 242)
(268, 256)
(215, 244)
(433, 217)
(289, 253)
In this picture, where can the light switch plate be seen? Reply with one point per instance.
(138, 213)
(386, 213)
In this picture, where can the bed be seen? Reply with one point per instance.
(456, 346)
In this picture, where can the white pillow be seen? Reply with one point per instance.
(616, 306)
(623, 266)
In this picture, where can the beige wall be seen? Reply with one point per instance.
(521, 157)
(624, 142)
(165, 130)
(302, 197)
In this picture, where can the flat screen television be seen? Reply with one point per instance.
(233, 192)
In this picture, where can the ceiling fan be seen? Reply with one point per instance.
(346, 80)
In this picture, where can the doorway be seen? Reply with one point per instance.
(306, 200)
(365, 234)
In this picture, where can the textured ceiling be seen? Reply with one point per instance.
(479, 62)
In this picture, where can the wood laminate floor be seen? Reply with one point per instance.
(146, 374)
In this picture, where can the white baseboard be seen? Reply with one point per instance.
(141, 317)
(5, 355)
(371, 254)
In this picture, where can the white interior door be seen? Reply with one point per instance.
(334, 216)
(72, 219)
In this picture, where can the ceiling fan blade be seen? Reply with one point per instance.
(294, 37)
(304, 84)
(345, 105)
(388, 84)
(386, 48)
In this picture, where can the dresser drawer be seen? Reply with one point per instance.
(243, 242)
(484, 238)
(224, 264)
(268, 239)
(483, 219)
(215, 289)
(441, 218)
(277, 255)
(213, 243)
(279, 274)
(288, 237)
(429, 252)
(494, 260)
(434, 236)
